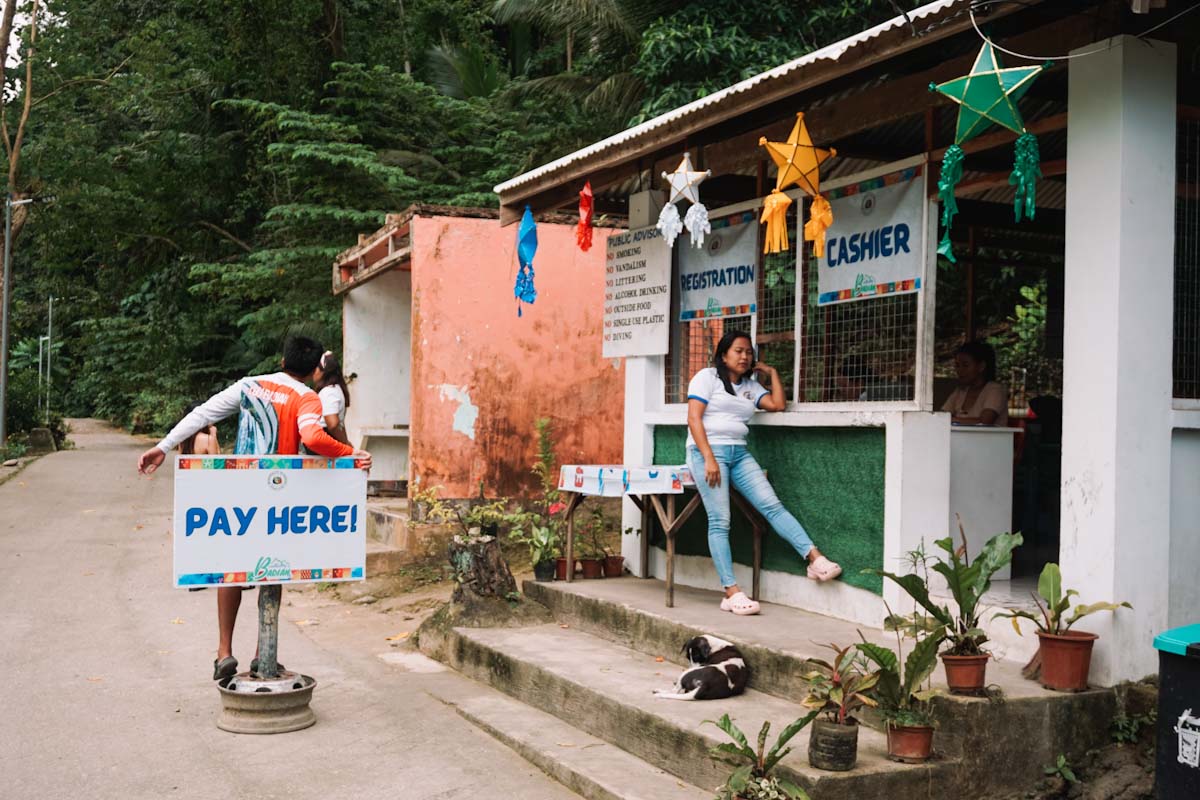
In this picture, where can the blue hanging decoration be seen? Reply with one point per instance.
(523, 289)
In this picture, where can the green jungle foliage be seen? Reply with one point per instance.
(207, 159)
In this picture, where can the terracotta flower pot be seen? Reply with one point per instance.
(1066, 660)
(613, 565)
(832, 746)
(966, 674)
(543, 571)
(592, 567)
(910, 744)
(560, 569)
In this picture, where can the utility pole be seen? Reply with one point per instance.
(8, 207)
(49, 352)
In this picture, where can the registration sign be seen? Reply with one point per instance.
(251, 520)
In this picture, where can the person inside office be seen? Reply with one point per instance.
(978, 399)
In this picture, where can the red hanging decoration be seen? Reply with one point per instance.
(583, 231)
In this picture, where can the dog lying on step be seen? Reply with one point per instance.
(717, 671)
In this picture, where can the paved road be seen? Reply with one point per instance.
(106, 668)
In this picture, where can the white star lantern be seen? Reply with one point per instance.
(685, 185)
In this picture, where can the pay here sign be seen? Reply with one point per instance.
(249, 520)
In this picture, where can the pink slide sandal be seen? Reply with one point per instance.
(822, 569)
(740, 604)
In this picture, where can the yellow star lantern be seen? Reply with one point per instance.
(799, 163)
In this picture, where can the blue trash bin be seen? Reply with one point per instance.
(1177, 756)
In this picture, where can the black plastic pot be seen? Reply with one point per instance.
(544, 570)
(832, 746)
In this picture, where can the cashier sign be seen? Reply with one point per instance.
(250, 520)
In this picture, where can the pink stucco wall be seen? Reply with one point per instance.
(482, 375)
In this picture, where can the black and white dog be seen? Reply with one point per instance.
(717, 671)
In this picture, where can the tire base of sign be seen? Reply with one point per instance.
(257, 706)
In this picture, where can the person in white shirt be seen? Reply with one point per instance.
(335, 396)
(721, 400)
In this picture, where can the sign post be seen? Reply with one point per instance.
(265, 521)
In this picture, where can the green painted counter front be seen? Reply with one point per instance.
(830, 478)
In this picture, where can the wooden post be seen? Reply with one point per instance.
(970, 283)
(573, 502)
(268, 630)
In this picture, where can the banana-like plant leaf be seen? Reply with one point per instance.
(1050, 584)
(1014, 615)
(920, 664)
(731, 754)
(726, 724)
(918, 591)
(762, 739)
(1082, 611)
(883, 656)
(995, 555)
(777, 752)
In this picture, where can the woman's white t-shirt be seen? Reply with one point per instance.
(725, 414)
(333, 401)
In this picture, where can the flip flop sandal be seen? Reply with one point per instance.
(224, 667)
(740, 604)
(823, 570)
(254, 666)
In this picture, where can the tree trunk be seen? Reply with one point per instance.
(480, 568)
(268, 630)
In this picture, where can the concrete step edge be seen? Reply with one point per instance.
(684, 751)
(588, 766)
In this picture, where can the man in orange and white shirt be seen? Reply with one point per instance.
(277, 414)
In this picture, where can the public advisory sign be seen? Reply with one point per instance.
(637, 294)
(250, 520)
(876, 244)
(718, 279)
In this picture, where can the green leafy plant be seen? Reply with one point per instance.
(1062, 768)
(1126, 729)
(903, 693)
(841, 687)
(472, 518)
(591, 535)
(1053, 604)
(967, 580)
(542, 540)
(752, 778)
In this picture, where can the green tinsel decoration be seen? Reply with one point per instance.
(949, 177)
(1027, 168)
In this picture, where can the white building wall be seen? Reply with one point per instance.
(1116, 462)
(377, 349)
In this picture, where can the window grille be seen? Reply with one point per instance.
(1187, 260)
(862, 350)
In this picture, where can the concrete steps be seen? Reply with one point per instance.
(1028, 728)
(395, 541)
(606, 689)
(588, 766)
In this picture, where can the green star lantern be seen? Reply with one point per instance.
(988, 96)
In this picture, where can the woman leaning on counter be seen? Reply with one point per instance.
(979, 399)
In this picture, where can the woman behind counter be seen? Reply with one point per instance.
(978, 400)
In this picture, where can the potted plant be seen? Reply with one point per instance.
(543, 544)
(591, 551)
(1066, 655)
(903, 694)
(965, 660)
(838, 689)
(753, 779)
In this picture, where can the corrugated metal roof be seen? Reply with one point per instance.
(832, 52)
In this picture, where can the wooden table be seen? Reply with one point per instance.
(656, 487)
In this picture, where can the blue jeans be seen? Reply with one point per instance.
(747, 476)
